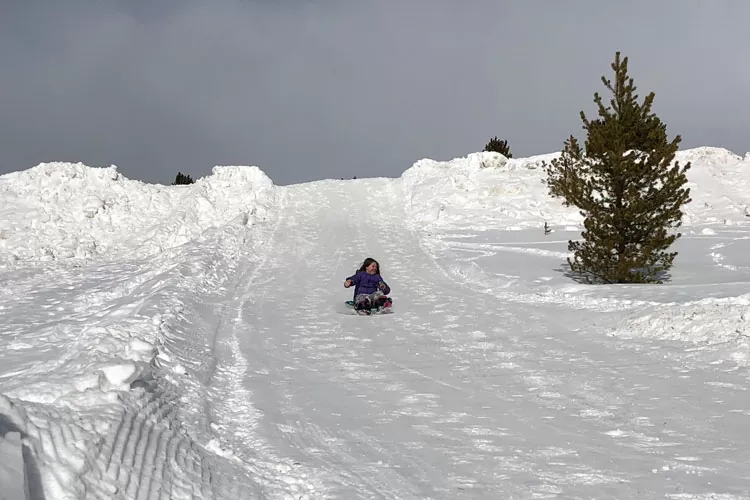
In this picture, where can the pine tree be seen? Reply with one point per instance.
(182, 179)
(498, 146)
(626, 185)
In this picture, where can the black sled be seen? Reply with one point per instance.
(382, 307)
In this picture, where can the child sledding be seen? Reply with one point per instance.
(370, 289)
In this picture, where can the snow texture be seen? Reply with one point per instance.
(62, 210)
(190, 342)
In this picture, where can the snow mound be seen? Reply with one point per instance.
(719, 181)
(489, 190)
(70, 210)
(709, 322)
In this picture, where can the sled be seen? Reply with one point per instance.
(382, 309)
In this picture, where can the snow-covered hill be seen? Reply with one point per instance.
(191, 341)
(487, 190)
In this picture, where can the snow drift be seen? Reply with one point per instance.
(722, 325)
(487, 190)
(65, 210)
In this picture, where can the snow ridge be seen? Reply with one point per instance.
(64, 210)
(490, 191)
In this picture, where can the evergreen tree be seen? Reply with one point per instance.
(626, 187)
(497, 146)
(183, 179)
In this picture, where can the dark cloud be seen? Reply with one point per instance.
(316, 89)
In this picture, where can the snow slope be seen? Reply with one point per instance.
(191, 341)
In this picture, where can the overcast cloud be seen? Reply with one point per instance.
(318, 89)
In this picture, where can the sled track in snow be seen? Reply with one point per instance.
(145, 456)
(155, 440)
(150, 458)
(153, 452)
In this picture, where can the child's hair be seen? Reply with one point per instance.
(367, 262)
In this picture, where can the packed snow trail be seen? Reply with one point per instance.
(458, 394)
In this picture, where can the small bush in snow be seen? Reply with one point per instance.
(497, 146)
(626, 186)
(183, 179)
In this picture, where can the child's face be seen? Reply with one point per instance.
(372, 268)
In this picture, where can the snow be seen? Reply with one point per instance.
(63, 210)
(192, 341)
(488, 190)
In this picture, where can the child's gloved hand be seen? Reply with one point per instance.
(381, 285)
(347, 283)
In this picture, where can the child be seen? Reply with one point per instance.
(369, 287)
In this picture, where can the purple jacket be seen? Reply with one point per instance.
(367, 283)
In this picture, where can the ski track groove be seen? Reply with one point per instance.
(230, 411)
(149, 448)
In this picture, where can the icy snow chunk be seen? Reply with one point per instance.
(92, 205)
(140, 345)
(118, 374)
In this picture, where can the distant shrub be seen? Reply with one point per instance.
(183, 179)
(497, 146)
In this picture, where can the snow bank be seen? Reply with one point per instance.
(84, 391)
(484, 189)
(488, 190)
(101, 365)
(719, 183)
(708, 322)
(65, 210)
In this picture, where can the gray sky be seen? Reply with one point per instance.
(312, 89)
